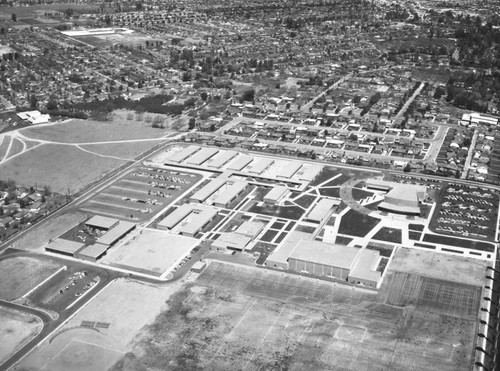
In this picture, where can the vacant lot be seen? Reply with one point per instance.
(86, 131)
(151, 252)
(63, 168)
(19, 274)
(16, 329)
(42, 234)
(245, 318)
(99, 334)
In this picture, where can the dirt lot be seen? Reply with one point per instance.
(439, 266)
(58, 166)
(100, 333)
(16, 329)
(151, 252)
(18, 275)
(246, 318)
(37, 238)
(86, 131)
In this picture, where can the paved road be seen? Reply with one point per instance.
(407, 103)
(333, 86)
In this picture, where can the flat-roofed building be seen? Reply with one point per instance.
(221, 158)
(322, 209)
(365, 271)
(231, 241)
(64, 247)
(260, 166)
(92, 252)
(198, 219)
(175, 217)
(276, 194)
(198, 267)
(323, 259)
(101, 222)
(114, 234)
(378, 185)
(230, 192)
(308, 172)
(240, 162)
(208, 190)
(279, 257)
(250, 229)
(201, 156)
(183, 154)
(290, 168)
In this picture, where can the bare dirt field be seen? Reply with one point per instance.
(99, 334)
(235, 317)
(151, 252)
(18, 275)
(16, 329)
(61, 167)
(440, 266)
(87, 131)
(38, 237)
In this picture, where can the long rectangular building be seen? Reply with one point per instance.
(184, 153)
(276, 194)
(188, 219)
(240, 162)
(261, 165)
(175, 217)
(289, 170)
(323, 259)
(309, 172)
(64, 247)
(115, 233)
(229, 193)
(221, 158)
(201, 156)
(208, 190)
(322, 209)
(365, 271)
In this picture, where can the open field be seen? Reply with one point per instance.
(40, 235)
(121, 150)
(61, 167)
(252, 319)
(87, 131)
(153, 252)
(16, 329)
(439, 266)
(101, 332)
(18, 275)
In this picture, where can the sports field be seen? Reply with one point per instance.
(236, 318)
(88, 131)
(151, 252)
(16, 329)
(18, 275)
(99, 334)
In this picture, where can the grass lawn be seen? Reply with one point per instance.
(288, 212)
(389, 235)
(354, 223)
(330, 192)
(359, 194)
(87, 131)
(19, 275)
(342, 240)
(63, 168)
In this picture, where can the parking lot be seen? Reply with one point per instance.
(141, 193)
(466, 211)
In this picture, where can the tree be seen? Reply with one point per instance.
(192, 123)
(14, 17)
(407, 168)
(33, 101)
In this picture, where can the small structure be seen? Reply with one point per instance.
(34, 117)
(102, 223)
(308, 172)
(198, 267)
(64, 247)
(276, 194)
(250, 229)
